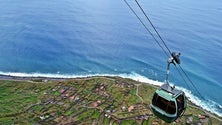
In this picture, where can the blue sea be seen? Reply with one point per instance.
(80, 38)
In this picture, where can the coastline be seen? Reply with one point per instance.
(45, 79)
(10, 77)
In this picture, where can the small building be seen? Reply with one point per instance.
(123, 108)
(131, 108)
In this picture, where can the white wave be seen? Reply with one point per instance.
(132, 75)
(208, 105)
(140, 78)
(49, 75)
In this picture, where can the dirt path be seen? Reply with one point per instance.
(137, 92)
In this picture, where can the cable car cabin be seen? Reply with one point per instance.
(168, 103)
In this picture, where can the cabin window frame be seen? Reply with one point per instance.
(164, 104)
(180, 103)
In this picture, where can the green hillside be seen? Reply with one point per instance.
(93, 100)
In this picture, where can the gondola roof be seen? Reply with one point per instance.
(170, 89)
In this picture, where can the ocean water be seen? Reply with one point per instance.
(68, 39)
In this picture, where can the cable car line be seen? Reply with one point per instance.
(146, 27)
(183, 78)
(191, 82)
(160, 44)
(152, 25)
(168, 49)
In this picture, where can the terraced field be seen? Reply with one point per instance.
(94, 100)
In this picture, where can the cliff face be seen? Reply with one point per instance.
(94, 100)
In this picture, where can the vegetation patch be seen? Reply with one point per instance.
(94, 100)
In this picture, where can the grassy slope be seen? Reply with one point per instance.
(24, 102)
